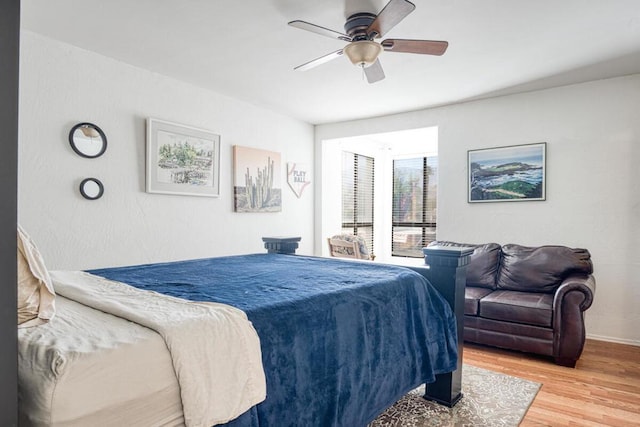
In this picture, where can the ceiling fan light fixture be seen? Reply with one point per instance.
(363, 53)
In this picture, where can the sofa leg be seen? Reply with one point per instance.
(566, 361)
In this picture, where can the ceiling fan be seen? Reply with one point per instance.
(361, 30)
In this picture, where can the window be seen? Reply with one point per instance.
(415, 184)
(357, 196)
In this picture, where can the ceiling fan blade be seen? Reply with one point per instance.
(303, 25)
(374, 72)
(394, 12)
(319, 61)
(425, 47)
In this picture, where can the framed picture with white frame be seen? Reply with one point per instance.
(507, 174)
(182, 160)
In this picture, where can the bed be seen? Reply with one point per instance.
(339, 342)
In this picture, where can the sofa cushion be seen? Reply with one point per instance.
(472, 295)
(520, 307)
(540, 269)
(483, 263)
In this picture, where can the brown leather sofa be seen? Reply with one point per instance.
(530, 299)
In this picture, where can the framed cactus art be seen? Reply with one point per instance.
(257, 182)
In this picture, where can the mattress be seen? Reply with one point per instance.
(89, 368)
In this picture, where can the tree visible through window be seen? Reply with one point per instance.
(415, 184)
(357, 196)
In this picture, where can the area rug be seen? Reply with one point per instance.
(489, 399)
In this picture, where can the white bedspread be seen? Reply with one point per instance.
(214, 348)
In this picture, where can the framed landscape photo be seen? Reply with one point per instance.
(507, 174)
(182, 160)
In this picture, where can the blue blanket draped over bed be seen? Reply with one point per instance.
(341, 341)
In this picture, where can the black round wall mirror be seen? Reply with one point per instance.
(88, 140)
(91, 188)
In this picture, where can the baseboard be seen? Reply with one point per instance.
(614, 340)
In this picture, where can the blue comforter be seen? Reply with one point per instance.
(341, 341)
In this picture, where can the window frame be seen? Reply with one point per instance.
(356, 224)
(426, 223)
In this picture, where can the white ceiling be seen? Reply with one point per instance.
(246, 50)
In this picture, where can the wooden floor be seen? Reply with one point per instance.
(603, 389)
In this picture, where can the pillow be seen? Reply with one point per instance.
(483, 263)
(36, 298)
(362, 244)
(540, 269)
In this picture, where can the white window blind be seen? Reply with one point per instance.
(357, 196)
(414, 219)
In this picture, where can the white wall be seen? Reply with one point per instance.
(592, 132)
(62, 85)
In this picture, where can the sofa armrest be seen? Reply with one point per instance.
(586, 285)
(571, 299)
